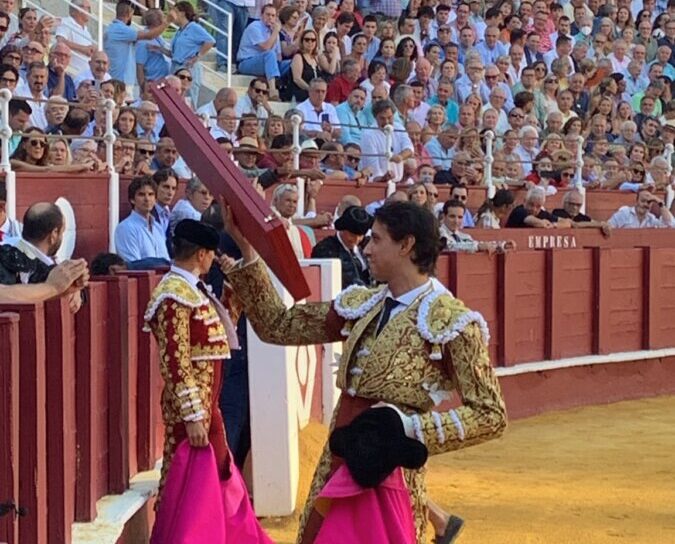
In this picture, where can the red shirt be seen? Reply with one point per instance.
(339, 89)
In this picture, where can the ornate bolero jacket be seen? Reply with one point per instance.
(190, 335)
(424, 353)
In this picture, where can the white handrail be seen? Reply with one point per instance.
(578, 177)
(296, 120)
(99, 25)
(110, 136)
(489, 159)
(5, 129)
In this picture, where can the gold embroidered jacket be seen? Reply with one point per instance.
(433, 347)
(190, 335)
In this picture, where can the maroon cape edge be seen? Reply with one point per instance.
(254, 216)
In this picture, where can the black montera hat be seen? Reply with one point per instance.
(354, 219)
(374, 445)
(197, 233)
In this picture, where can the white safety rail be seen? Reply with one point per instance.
(281, 387)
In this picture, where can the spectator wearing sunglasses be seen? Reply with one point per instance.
(637, 180)
(255, 101)
(119, 42)
(32, 155)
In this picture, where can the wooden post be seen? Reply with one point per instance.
(553, 303)
(33, 424)
(601, 294)
(9, 421)
(92, 401)
(60, 374)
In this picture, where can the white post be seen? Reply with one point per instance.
(296, 120)
(578, 180)
(5, 165)
(100, 25)
(388, 144)
(489, 159)
(670, 191)
(113, 208)
(229, 49)
(109, 137)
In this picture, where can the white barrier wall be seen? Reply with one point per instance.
(282, 383)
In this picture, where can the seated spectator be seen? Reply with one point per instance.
(255, 101)
(85, 154)
(340, 86)
(197, 199)
(97, 72)
(532, 214)
(4, 24)
(304, 66)
(274, 126)
(260, 50)
(373, 143)
(59, 81)
(148, 121)
(441, 148)
(125, 126)
(352, 225)
(461, 193)
(351, 118)
(419, 194)
(456, 240)
(377, 75)
(313, 219)
(75, 124)
(32, 155)
(183, 80)
(107, 264)
(285, 205)
(139, 236)
(124, 152)
(9, 228)
(572, 203)
(528, 148)
(321, 120)
(36, 88)
(247, 155)
(59, 152)
(226, 125)
(330, 57)
(166, 156)
(167, 184)
(56, 113)
(495, 211)
(333, 161)
(145, 151)
(31, 51)
(649, 212)
(636, 179)
(9, 77)
(11, 56)
(225, 98)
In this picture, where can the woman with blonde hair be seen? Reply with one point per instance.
(469, 142)
(419, 194)
(435, 120)
(274, 126)
(551, 144)
(59, 152)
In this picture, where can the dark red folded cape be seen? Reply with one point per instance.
(215, 169)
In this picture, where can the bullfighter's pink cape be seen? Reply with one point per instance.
(357, 515)
(198, 507)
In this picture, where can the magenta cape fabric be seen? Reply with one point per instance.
(357, 515)
(197, 507)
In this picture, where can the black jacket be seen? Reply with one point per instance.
(352, 271)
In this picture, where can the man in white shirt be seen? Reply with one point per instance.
(374, 142)
(618, 57)
(255, 100)
(455, 240)
(226, 125)
(528, 148)
(321, 120)
(36, 87)
(225, 98)
(96, 71)
(649, 212)
(197, 199)
(74, 33)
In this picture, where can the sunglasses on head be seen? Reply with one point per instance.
(185, 77)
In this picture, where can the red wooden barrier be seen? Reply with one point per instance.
(149, 439)
(93, 329)
(60, 373)
(32, 419)
(9, 421)
(119, 355)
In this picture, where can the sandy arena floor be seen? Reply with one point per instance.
(595, 475)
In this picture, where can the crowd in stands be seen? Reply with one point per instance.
(551, 82)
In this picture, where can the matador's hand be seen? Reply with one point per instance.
(196, 433)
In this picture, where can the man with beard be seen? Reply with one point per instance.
(31, 258)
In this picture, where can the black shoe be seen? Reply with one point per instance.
(452, 530)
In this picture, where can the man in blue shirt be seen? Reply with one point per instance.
(260, 50)
(59, 82)
(139, 236)
(120, 39)
(350, 114)
(151, 64)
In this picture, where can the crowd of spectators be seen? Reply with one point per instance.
(552, 82)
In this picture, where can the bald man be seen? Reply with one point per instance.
(225, 98)
(97, 72)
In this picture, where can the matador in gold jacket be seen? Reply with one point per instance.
(430, 346)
